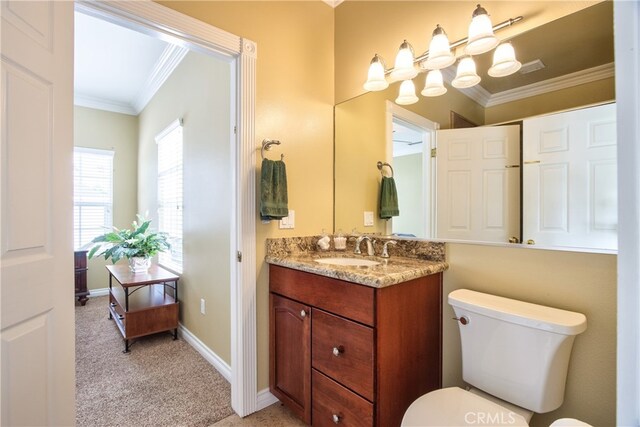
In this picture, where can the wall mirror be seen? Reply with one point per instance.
(540, 173)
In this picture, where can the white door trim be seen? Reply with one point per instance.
(627, 43)
(154, 19)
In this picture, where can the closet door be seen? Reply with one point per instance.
(478, 184)
(569, 179)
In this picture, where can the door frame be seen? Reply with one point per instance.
(159, 21)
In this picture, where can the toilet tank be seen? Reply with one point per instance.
(514, 350)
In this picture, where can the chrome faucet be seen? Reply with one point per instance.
(359, 240)
(385, 250)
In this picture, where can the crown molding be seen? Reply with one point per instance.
(166, 64)
(333, 3)
(476, 93)
(558, 83)
(97, 103)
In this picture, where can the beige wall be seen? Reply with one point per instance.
(585, 283)
(117, 132)
(364, 28)
(198, 91)
(295, 105)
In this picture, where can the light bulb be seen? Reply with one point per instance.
(407, 93)
(404, 68)
(376, 80)
(504, 61)
(434, 85)
(466, 75)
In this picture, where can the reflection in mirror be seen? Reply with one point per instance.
(574, 76)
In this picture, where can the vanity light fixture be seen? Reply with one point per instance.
(407, 93)
(404, 68)
(504, 61)
(466, 75)
(481, 38)
(440, 55)
(434, 85)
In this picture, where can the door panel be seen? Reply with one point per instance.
(478, 184)
(570, 181)
(36, 248)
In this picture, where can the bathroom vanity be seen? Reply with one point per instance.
(354, 345)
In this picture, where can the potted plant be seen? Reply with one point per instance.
(137, 245)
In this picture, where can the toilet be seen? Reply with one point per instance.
(515, 355)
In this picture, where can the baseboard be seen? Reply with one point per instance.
(265, 398)
(98, 292)
(215, 360)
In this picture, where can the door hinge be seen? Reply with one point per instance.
(235, 130)
(433, 152)
(239, 256)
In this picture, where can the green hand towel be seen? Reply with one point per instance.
(273, 190)
(388, 198)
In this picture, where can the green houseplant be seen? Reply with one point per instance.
(137, 245)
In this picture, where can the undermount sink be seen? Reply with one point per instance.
(357, 262)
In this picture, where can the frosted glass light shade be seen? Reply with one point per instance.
(403, 68)
(440, 55)
(466, 75)
(434, 85)
(376, 80)
(504, 61)
(407, 93)
(481, 38)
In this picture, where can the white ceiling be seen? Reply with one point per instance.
(118, 69)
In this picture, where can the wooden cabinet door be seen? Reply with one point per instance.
(290, 354)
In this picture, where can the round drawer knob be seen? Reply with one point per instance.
(303, 313)
(337, 351)
(335, 418)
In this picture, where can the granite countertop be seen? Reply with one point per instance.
(300, 255)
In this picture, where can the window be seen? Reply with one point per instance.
(170, 192)
(92, 194)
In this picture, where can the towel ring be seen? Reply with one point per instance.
(381, 165)
(266, 146)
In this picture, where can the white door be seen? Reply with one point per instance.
(569, 179)
(36, 255)
(478, 183)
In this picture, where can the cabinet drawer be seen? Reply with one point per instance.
(333, 295)
(331, 400)
(343, 350)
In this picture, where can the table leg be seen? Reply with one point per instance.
(110, 316)
(175, 334)
(126, 346)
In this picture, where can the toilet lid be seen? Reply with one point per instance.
(454, 406)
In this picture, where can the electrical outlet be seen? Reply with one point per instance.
(288, 222)
(202, 306)
(368, 219)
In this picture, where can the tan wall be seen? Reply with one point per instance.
(295, 105)
(360, 142)
(117, 132)
(198, 91)
(364, 28)
(591, 93)
(585, 283)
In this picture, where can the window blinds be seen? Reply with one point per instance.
(170, 206)
(93, 194)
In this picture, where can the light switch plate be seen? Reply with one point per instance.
(288, 222)
(368, 219)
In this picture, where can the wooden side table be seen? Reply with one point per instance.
(143, 303)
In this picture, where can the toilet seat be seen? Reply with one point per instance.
(454, 406)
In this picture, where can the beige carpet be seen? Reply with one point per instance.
(275, 415)
(160, 383)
